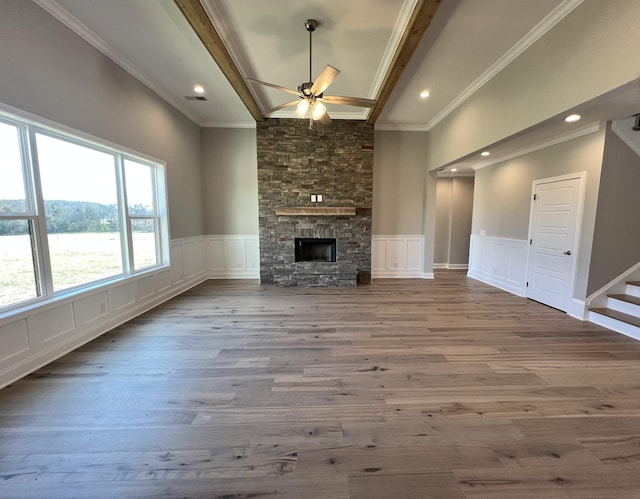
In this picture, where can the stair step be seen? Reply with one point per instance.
(614, 314)
(633, 283)
(628, 298)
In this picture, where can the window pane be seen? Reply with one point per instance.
(81, 208)
(17, 273)
(143, 232)
(139, 178)
(12, 198)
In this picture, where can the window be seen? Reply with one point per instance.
(80, 197)
(73, 212)
(141, 209)
(18, 270)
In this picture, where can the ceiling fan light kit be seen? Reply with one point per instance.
(317, 110)
(302, 107)
(311, 93)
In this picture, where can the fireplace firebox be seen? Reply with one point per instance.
(315, 249)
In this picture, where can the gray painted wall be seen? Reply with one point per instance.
(616, 240)
(231, 189)
(584, 56)
(399, 163)
(51, 72)
(454, 207)
(502, 193)
(442, 240)
(230, 181)
(461, 217)
(429, 210)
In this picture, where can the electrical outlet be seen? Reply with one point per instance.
(319, 198)
(313, 198)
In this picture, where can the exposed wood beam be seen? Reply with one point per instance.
(197, 17)
(418, 23)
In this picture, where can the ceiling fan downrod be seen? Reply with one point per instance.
(310, 25)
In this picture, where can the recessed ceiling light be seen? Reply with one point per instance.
(485, 153)
(424, 94)
(572, 117)
(454, 169)
(199, 89)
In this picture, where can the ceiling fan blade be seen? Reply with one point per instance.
(324, 79)
(282, 106)
(348, 101)
(325, 119)
(277, 87)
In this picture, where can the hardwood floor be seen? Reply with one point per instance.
(402, 389)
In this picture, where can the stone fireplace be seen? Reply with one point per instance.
(296, 163)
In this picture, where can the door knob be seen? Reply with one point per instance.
(568, 252)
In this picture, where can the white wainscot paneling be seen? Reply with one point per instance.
(177, 263)
(120, 296)
(37, 335)
(51, 323)
(193, 257)
(163, 280)
(89, 309)
(14, 343)
(188, 262)
(233, 257)
(499, 262)
(145, 287)
(396, 256)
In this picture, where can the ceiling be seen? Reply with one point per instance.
(465, 44)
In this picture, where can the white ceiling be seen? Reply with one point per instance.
(467, 42)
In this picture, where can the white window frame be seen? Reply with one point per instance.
(28, 126)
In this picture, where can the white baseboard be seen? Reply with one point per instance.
(497, 283)
(451, 266)
(233, 274)
(428, 275)
(399, 274)
(578, 309)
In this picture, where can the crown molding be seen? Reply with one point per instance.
(217, 20)
(228, 124)
(558, 139)
(446, 174)
(615, 127)
(537, 32)
(400, 128)
(65, 17)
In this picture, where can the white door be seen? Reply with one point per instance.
(553, 241)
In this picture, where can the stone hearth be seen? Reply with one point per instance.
(295, 162)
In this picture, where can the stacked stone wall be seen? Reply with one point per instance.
(294, 162)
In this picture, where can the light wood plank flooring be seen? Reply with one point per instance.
(402, 389)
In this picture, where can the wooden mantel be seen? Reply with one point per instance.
(326, 211)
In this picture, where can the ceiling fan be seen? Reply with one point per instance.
(311, 93)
